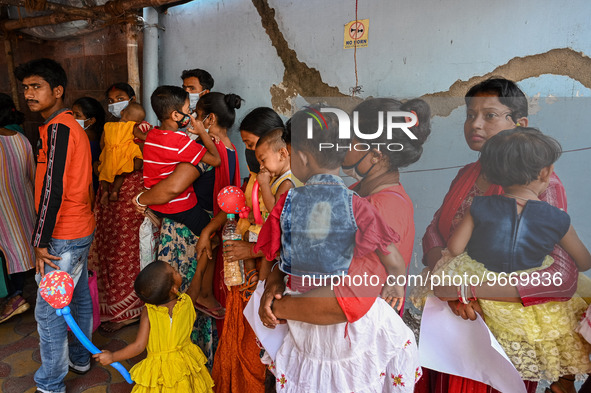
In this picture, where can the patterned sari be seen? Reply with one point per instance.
(115, 252)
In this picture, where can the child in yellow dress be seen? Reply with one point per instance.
(173, 364)
(120, 155)
(505, 235)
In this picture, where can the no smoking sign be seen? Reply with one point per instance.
(356, 34)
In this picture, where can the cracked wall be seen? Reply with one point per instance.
(562, 61)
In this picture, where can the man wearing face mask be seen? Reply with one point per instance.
(197, 83)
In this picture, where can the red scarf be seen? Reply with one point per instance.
(222, 179)
(458, 193)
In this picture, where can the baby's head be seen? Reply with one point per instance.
(518, 156)
(157, 283)
(133, 112)
(306, 147)
(271, 152)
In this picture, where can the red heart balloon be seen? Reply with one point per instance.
(231, 199)
(56, 288)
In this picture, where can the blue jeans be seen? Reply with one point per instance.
(53, 335)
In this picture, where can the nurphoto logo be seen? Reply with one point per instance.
(394, 120)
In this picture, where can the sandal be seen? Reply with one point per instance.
(216, 312)
(250, 284)
(559, 384)
(17, 305)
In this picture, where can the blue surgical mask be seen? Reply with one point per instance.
(193, 99)
(116, 108)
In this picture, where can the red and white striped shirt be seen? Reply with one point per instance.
(163, 151)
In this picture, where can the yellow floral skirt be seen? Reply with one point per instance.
(540, 340)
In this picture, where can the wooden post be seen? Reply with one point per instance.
(11, 77)
(133, 67)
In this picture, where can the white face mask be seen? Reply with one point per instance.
(81, 122)
(116, 108)
(193, 99)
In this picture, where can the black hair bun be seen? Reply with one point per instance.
(233, 101)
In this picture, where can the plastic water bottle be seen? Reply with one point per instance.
(233, 270)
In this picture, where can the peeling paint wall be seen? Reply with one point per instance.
(272, 51)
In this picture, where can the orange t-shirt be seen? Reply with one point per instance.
(63, 181)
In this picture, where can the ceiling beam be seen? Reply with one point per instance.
(113, 8)
(49, 6)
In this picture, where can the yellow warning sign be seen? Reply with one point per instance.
(356, 32)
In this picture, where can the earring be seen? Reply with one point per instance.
(374, 160)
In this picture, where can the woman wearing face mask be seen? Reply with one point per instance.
(346, 319)
(177, 244)
(237, 336)
(116, 242)
(376, 171)
(379, 182)
(119, 95)
(89, 113)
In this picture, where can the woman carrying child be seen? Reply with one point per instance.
(321, 226)
(244, 372)
(177, 243)
(377, 171)
(115, 250)
(492, 106)
(120, 155)
(511, 233)
(166, 146)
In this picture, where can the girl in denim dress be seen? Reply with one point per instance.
(319, 229)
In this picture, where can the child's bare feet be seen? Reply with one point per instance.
(114, 196)
(105, 198)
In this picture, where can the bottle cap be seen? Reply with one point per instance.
(230, 215)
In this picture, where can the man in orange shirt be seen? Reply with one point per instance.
(65, 222)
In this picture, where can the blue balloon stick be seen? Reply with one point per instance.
(65, 312)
